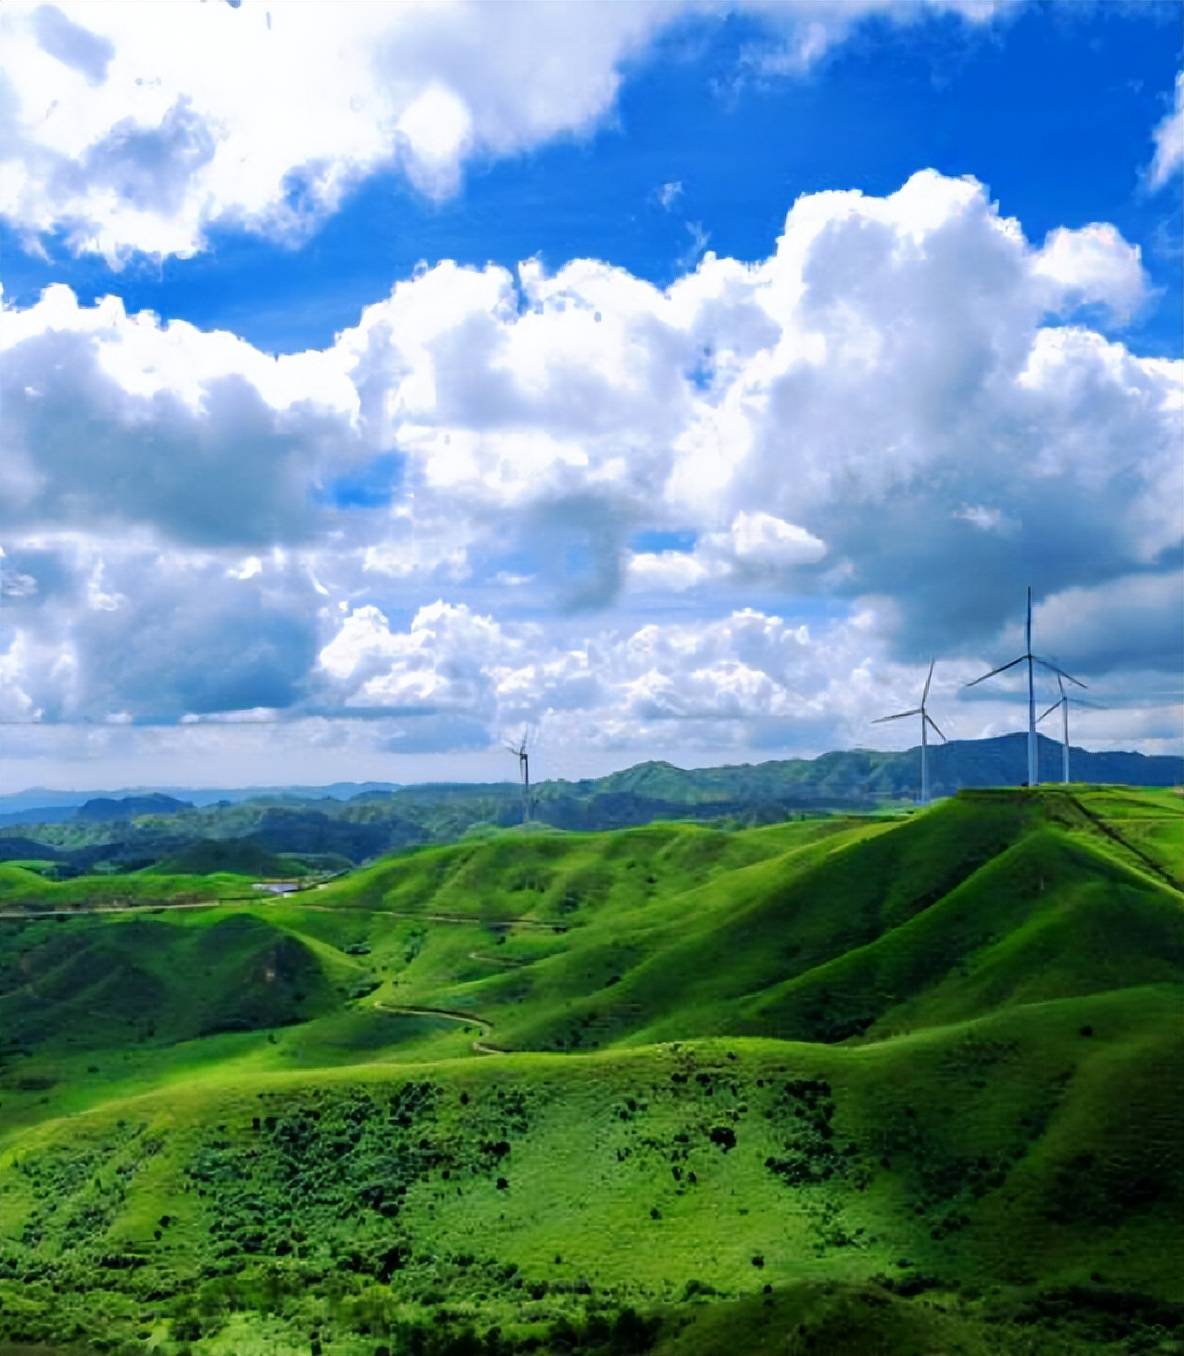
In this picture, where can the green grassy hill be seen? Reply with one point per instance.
(95, 988)
(26, 891)
(898, 1085)
(237, 856)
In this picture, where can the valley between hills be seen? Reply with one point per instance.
(876, 1083)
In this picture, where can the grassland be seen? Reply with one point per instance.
(26, 891)
(900, 1084)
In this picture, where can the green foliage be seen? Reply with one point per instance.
(840, 1084)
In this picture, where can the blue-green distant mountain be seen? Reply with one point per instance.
(130, 807)
(857, 774)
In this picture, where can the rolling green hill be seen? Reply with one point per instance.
(22, 890)
(871, 1084)
(237, 856)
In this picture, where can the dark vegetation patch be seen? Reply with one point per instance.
(1092, 1187)
(803, 1110)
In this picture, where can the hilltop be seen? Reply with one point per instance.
(239, 856)
(853, 1083)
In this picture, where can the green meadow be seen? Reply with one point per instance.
(908, 1083)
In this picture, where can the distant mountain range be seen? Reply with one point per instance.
(42, 799)
(355, 822)
(966, 762)
(40, 805)
(864, 773)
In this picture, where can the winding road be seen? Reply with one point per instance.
(483, 1024)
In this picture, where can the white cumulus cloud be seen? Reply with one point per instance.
(137, 127)
(901, 402)
(1093, 264)
(1168, 159)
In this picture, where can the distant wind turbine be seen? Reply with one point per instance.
(519, 751)
(1031, 660)
(926, 721)
(1063, 703)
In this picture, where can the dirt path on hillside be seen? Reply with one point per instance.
(237, 901)
(116, 908)
(484, 1025)
(494, 960)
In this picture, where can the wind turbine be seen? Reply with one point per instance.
(926, 721)
(1063, 703)
(1031, 660)
(519, 751)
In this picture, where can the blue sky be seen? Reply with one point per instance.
(1052, 110)
(726, 520)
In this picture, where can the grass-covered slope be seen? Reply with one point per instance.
(815, 931)
(237, 856)
(896, 1086)
(26, 891)
(552, 877)
(100, 987)
(984, 1163)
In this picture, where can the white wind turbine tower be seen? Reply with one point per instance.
(1031, 660)
(519, 751)
(926, 721)
(1063, 703)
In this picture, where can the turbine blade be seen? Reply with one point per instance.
(1084, 701)
(1050, 710)
(916, 711)
(1001, 669)
(925, 694)
(1059, 672)
(932, 722)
